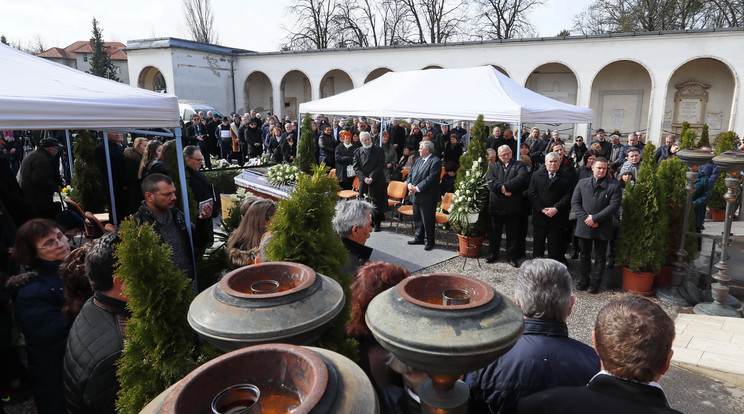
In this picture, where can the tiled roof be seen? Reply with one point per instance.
(82, 46)
(56, 52)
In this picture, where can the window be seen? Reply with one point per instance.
(117, 69)
(85, 58)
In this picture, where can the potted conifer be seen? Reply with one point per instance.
(726, 141)
(643, 238)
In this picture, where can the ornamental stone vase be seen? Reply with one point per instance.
(266, 302)
(286, 378)
(445, 325)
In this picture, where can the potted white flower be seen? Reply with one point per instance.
(471, 196)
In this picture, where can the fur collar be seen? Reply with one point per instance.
(20, 280)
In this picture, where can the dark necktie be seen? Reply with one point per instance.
(552, 175)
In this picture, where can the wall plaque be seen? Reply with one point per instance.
(690, 101)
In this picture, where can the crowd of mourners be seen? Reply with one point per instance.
(63, 313)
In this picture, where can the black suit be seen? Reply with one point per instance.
(600, 199)
(425, 176)
(604, 394)
(506, 211)
(543, 193)
(368, 163)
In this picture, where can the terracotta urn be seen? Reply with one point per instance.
(266, 302)
(694, 157)
(445, 325)
(283, 378)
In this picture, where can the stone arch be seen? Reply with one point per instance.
(500, 69)
(432, 67)
(334, 82)
(376, 74)
(621, 97)
(295, 89)
(700, 91)
(258, 92)
(152, 79)
(559, 82)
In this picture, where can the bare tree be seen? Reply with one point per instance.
(615, 16)
(200, 20)
(725, 13)
(436, 21)
(507, 19)
(37, 45)
(315, 24)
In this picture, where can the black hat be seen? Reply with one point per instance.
(48, 143)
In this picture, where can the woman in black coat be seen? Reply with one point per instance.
(344, 158)
(452, 150)
(38, 297)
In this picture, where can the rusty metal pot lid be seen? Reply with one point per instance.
(730, 161)
(412, 322)
(289, 378)
(266, 302)
(694, 157)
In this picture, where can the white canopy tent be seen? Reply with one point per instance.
(418, 94)
(36, 93)
(39, 94)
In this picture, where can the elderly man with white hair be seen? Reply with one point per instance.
(369, 163)
(544, 357)
(353, 223)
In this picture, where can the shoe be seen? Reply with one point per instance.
(492, 259)
(583, 285)
(593, 290)
(514, 263)
(610, 263)
(414, 241)
(428, 246)
(377, 227)
(574, 255)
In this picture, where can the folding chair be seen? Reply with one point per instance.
(353, 193)
(443, 217)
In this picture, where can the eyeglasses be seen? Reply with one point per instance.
(199, 160)
(61, 238)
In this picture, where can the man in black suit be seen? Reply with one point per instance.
(423, 186)
(550, 195)
(507, 181)
(633, 338)
(595, 200)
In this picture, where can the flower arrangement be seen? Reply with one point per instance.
(471, 196)
(66, 192)
(282, 174)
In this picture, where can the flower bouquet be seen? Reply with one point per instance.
(282, 174)
(470, 198)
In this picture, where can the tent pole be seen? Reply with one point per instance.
(589, 136)
(110, 179)
(69, 153)
(185, 200)
(519, 140)
(382, 128)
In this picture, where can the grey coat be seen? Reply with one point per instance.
(601, 200)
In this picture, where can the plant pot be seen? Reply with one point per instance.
(641, 283)
(664, 278)
(470, 246)
(718, 215)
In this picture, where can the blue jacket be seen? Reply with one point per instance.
(543, 358)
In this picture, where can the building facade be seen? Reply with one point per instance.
(649, 82)
(77, 56)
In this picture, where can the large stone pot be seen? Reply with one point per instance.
(266, 302)
(288, 377)
(413, 323)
